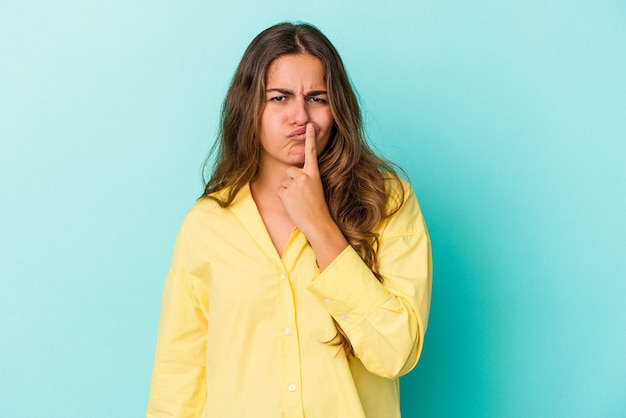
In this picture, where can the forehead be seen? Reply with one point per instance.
(302, 70)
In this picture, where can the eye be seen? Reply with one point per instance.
(317, 100)
(278, 99)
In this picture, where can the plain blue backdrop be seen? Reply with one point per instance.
(509, 117)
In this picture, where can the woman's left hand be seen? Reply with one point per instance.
(301, 191)
(302, 194)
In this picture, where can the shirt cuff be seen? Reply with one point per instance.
(348, 289)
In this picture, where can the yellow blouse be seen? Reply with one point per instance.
(245, 333)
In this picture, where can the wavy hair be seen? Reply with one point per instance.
(354, 178)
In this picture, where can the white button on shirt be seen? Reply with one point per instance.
(283, 276)
(342, 317)
(292, 388)
(287, 331)
(327, 301)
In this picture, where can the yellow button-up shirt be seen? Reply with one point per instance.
(245, 333)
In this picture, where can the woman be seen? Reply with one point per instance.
(300, 281)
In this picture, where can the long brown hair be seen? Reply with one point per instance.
(353, 176)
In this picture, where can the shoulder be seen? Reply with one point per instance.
(405, 215)
(399, 192)
(204, 206)
(213, 210)
(204, 213)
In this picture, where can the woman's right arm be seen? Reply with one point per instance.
(178, 387)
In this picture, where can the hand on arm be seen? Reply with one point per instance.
(303, 196)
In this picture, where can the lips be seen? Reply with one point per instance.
(298, 133)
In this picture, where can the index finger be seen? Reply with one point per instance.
(310, 149)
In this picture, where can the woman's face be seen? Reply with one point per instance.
(295, 95)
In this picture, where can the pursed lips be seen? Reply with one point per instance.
(298, 133)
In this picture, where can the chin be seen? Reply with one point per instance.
(297, 160)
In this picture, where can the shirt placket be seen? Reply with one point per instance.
(292, 373)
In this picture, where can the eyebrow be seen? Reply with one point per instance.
(289, 92)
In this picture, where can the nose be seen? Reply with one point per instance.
(299, 112)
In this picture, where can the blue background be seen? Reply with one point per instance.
(509, 117)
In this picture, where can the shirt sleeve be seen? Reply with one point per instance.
(385, 322)
(178, 386)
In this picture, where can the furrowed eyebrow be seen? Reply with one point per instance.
(281, 91)
(316, 93)
(289, 92)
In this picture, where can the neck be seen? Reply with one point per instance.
(264, 190)
(265, 185)
(268, 179)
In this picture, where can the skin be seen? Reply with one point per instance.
(296, 124)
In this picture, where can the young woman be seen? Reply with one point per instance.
(300, 281)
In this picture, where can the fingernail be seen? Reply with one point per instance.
(309, 127)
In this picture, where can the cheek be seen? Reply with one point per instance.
(326, 122)
(325, 137)
(269, 119)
